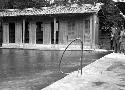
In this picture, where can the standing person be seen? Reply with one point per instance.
(122, 40)
(111, 41)
(116, 43)
(112, 37)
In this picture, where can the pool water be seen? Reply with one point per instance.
(35, 69)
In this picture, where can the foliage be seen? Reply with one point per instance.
(121, 6)
(20, 4)
(40, 3)
(110, 15)
(69, 2)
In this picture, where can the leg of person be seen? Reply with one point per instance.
(111, 43)
(115, 47)
(118, 46)
(124, 48)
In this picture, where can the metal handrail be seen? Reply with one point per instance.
(66, 49)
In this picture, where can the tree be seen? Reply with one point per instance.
(110, 15)
(3, 4)
(69, 2)
(121, 6)
(21, 4)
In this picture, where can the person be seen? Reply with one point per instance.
(116, 43)
(122, 41)
(111, 41)
(112, 37)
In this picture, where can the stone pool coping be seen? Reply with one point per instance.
(56, 49)
(106, 73)
(47, 47)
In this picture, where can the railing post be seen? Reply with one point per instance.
(81, 55)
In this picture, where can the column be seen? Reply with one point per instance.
(63, 30)
(18, 32)
(47, 33)
(95, 27)
(23, 31)
(60, 33)
(5, 33)
(55, 30)
(91, 32)
(32, 32)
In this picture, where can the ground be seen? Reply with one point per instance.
(107, 73)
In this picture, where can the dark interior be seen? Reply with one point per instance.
(11, 32)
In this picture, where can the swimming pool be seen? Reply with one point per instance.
(35, 69)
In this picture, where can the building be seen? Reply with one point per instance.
(50, 27)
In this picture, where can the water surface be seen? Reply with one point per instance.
(30, 65)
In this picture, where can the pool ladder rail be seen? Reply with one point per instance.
(81, 58)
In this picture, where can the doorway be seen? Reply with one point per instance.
(11, 32)
(52, 32)
(39, 33)
(26, 40)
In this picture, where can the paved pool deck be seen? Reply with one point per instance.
(107, 73)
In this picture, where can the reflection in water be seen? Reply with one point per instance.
(16, 63)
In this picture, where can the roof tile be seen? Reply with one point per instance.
(50, 10)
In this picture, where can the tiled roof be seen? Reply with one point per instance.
(86, 8)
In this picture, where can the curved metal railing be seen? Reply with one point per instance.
(65, 51)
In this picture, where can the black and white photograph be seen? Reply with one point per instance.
(62, 44)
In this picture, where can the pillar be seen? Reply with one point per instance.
(47, 33)
(55, 27)
(23, 31)
(91, 32)
(95, 27)
(18, 32)
(32, 32)
(5, 33)
(63, 31)
(60, 33)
